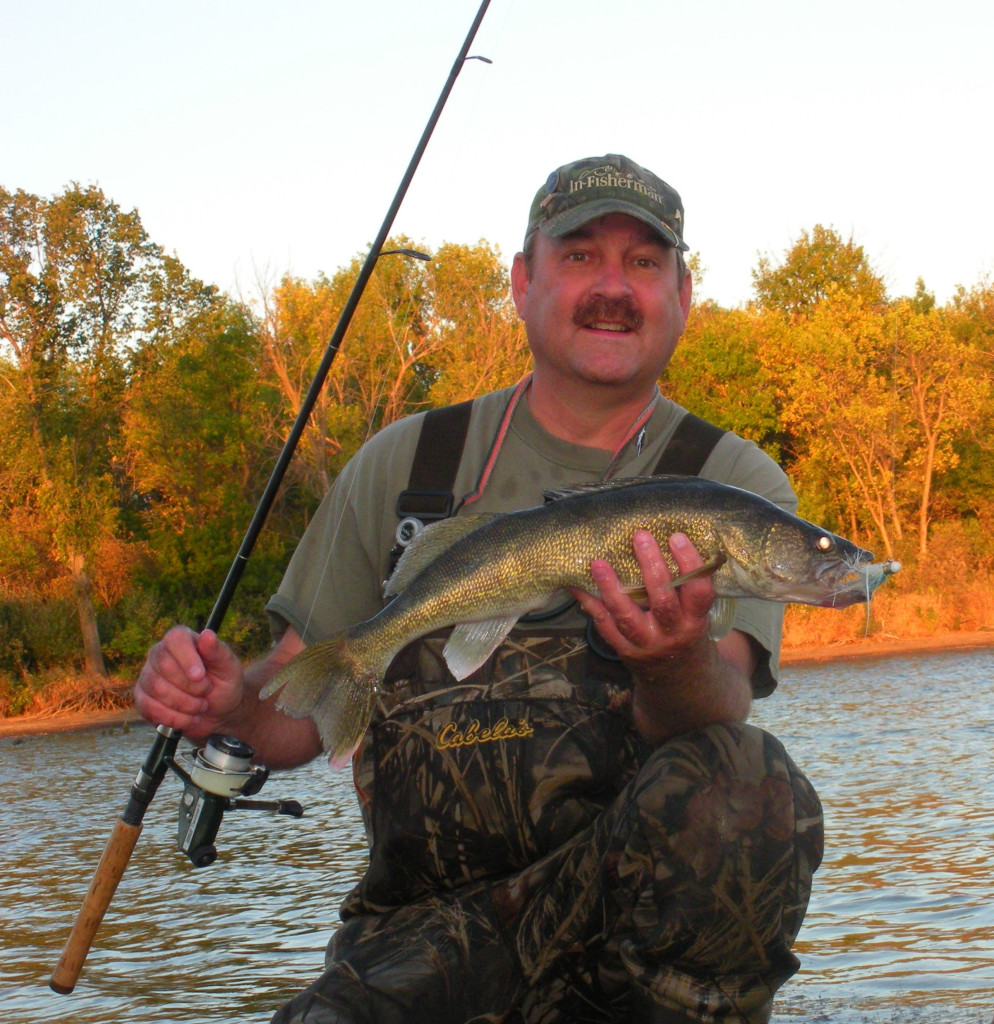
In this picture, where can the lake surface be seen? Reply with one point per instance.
(900, 928)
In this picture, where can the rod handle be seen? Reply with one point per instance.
(115, 859)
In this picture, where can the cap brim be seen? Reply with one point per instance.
(569, 220)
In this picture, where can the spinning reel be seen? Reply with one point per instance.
(220, 778)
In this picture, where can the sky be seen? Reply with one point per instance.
(259, 139)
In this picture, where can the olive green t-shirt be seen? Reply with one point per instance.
(336, 575)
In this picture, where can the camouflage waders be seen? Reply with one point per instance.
(533, 861)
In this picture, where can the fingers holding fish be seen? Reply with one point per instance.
(693, 596)
(676, 618)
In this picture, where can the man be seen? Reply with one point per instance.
(584, 829)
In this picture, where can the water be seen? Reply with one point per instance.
(900, 928)
(901, 923)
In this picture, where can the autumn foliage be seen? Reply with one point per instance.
(141, 412)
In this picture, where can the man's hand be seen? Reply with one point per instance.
(675, 622)
(194, 683)
(683, 680)
(191, 682)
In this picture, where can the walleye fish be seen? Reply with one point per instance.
(481, 573)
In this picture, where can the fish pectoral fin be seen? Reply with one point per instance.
(707, 569)
(471, 643)
(638, 593)
(720, 617)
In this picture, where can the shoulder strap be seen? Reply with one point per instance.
(435, 464)
(692, 442)
(436, 460)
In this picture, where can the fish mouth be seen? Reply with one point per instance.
(847, 584)
(832, 583)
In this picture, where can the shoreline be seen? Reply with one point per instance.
(870, 648)
(73, 721)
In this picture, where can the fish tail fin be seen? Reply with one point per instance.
(332, 684)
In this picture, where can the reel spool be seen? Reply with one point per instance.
(220, 776)
(224, 767)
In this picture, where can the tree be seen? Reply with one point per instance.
(838, 403)
(880, 396)
(480, 341)
(423, 335)
(717, 372)
(371, 382)
(74, 277)
(824, 345)
(195, 441)
(819, 266)
(945, 384)
(968, 487)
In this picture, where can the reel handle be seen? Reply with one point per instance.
(115, 859)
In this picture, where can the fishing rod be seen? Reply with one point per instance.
(225, 755)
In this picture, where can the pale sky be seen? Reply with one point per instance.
(258, 138)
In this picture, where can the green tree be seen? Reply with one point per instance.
(968, 487)
(195, 429)
(717, 372)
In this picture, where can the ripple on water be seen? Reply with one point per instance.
(899, 929)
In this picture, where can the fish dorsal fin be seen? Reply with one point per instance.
(471, 643)
(431, 542)
(617, 484)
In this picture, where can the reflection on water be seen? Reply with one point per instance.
(901, 925)
(226, 943)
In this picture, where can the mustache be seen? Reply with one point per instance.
(619, 311)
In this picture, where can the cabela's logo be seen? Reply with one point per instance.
(451, 736)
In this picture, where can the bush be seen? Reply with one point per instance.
(38, 634)
(131, 628)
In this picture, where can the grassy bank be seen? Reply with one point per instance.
(57, 693)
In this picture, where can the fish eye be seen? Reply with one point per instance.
(824, 543)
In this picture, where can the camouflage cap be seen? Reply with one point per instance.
(586, 189)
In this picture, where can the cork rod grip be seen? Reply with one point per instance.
(115, 859)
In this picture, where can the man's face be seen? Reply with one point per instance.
(602, 305)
